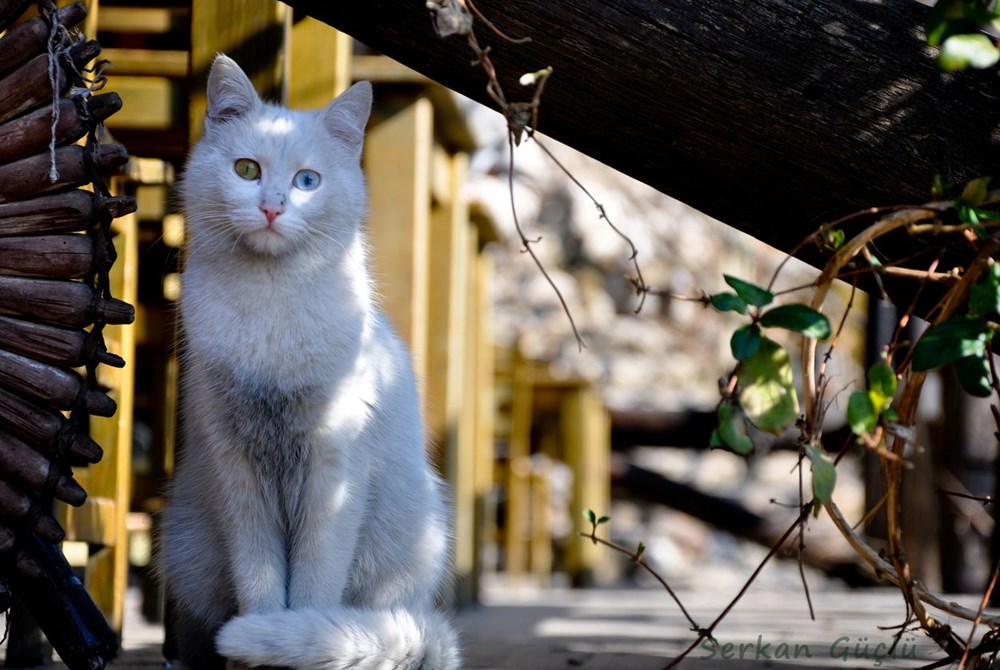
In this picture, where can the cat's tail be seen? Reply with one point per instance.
(341, 639)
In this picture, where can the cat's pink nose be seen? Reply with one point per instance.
(272, 212)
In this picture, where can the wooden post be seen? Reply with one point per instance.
(587, 438)
(320, 64)
(485, 399)
(397, 157)
(518, 466)
(107, 569)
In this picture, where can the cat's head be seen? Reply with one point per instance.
(274, 181)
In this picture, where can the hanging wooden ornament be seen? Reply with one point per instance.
(55, 254)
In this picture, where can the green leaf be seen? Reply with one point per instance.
(881, 386)
(751, 293)
(590, 516)
(824, 477)
(974, 375)
(603, 519)
(798, 318)
(975, 192)
(948, 341)
(984, 298)
(941, 18)
(728, 302)
(937, 187)
(861, 414)
(639, 551)
(833, 239)
(767, 390)
(745, 342)
(733, 429)
(715, 440)
(975, 50)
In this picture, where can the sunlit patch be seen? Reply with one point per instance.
(300, 198)
(281, 125)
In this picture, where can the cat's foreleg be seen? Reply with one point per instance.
(325, 541)
(252, 531)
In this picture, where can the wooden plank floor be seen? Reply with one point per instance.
(641, 629)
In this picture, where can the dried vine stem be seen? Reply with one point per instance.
(706, 633)
(453, 17)
(636, 557)
(896, 569)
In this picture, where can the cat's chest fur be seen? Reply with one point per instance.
(285, 354)
(285, 328)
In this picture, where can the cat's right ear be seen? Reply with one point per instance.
(230, 92)
(345, 118)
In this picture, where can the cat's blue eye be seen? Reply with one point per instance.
(306, 180)
(247, 168)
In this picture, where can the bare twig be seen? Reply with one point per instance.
(637, 282)
(636, 557)
(526, 245)
(708, 632)
(979, 616)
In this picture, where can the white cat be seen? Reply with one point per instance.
(305, 527)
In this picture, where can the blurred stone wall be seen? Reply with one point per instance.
(667, 357)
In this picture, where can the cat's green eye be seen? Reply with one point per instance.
(306, 180)
(247, 168)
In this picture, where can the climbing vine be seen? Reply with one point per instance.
(760, 391)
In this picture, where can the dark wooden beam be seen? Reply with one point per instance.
(772, 116)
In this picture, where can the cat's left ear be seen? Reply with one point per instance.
(345, 118)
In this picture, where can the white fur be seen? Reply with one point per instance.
(303, 503)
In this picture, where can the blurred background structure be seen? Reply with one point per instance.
(528, 429)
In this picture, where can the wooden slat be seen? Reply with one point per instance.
(147, 62)
(146, 20)
(397, 155)
(153, 103)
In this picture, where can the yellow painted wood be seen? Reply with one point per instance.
(320, 67)
(452, 127)
(91, 22)
(151, 202)
(448, 282)
(147, 20)
(485, 411)
(149, 171)
(518, 467)
(586, 431)
(154, 103)
(94, 522)
(540, 551)
(397, 160)
(110, 480)
(384, 69)
(252, 32)
(160, 62)
(100, 580)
